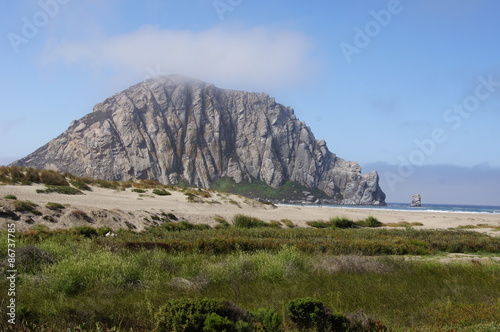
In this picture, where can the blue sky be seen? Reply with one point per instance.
(410, 88)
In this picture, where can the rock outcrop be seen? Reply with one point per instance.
(174, 129)
(416, 200)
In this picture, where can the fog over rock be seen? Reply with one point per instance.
(173, 128)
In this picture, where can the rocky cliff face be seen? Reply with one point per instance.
(173, 128)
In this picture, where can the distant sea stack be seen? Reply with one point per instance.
(179, 130)
(416, 200)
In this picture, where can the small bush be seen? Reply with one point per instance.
(200, 315)
(10, 197)
(342, 222)
(269, 318)
(317, 224)
(138, 190)
(369, 222)
(275, 224)
(79, 184)
(308, 313)
(86, 231)
(52, 178)
(26, 206)
(54, 206)
(65, 190)
(288, 223)
(222, 222)
(161, 192)
(102, 231)
(243, 221)
(216, 323)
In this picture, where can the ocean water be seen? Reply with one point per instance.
(426, 207)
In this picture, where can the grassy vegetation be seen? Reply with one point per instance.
(259, 189)
(496, 228)
(161, 192)
(342, 222)
(65, 190)
(270, 276)
(26, 206)
(55, 206)
(10, 197)
(27, 176)
(402, 224)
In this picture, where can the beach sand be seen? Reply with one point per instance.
(136, 208)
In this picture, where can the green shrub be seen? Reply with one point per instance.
(306, 313)
(52, 178)
(275, 224)
(309, 313)
(288, 223)
(269, 318)
(161, 192)
(10, 197)
(244, 221)
(138, 190)
(342, 222)
(86, 231)
(26, 206)
(317, 224)
(216, 323)
(54, 206)
(65, 190)
(222, 222)
(369, 222)
(79, 184)
(102, 231)
(32, 175)
(200, 315)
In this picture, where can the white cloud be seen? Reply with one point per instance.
(259, 57)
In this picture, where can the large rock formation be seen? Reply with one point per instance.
(173, 128)
(416, 200)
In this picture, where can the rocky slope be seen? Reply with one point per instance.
(174, 129)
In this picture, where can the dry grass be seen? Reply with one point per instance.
(354, 264)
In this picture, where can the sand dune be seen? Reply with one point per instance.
(108, 207)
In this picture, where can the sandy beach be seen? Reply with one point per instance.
(106, 205)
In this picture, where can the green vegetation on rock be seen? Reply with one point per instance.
(259, 189)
